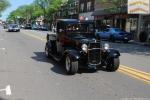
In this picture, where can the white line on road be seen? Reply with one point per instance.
(2, 48)
(7, 90)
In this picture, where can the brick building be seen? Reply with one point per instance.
(86, 8)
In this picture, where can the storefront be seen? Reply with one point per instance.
(120, 20)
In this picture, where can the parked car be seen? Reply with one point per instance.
(35, 27)
(13, 28)
(5, 26)
(28, 26)
(113, 34)
(43, 28)
(22, 26)
(75, 44)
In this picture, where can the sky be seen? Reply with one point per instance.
(14, 5)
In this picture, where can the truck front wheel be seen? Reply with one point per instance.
(71, 66)
(47, 51)
(112, 64)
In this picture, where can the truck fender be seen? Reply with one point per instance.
(112, 53)
(73, 54)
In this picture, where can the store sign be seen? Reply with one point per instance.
(138, 6)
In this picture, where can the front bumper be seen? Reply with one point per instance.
(13, 30)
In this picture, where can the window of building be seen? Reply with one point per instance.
(82, 7)
(88, 6)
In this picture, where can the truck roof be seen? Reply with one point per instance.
(74, 21)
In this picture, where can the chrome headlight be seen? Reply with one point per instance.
(84, 47)
(106, 46)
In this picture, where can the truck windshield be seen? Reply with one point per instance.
(80, 28)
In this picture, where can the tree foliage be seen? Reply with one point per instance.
(3, 5)
(38, 8)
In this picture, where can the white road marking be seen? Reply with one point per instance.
(7, 90)
(2, 48)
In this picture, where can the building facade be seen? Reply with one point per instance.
(106, 14)
(73, 9)
(86, 8)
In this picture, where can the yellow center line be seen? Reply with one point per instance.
(140, 75)
(134, 76)
(145, 73)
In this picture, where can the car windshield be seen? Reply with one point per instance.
(14, 26)
(81, 35)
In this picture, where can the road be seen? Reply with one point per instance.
(32, 76)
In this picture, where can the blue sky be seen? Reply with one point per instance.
(14, 5)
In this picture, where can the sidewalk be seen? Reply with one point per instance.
(140, 43)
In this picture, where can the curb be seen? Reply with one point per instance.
(139, 43)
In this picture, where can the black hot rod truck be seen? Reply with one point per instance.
(75, 44)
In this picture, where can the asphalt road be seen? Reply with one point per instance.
(32, 76)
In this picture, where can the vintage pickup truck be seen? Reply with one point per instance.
(77, 46)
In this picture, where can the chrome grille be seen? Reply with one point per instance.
(94, 54)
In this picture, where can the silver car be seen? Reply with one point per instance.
(13, 28)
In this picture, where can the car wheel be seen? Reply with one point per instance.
(112, 38)
(71, 66)
(113, 64)
(47, 51)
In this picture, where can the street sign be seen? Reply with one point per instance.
(138, 6)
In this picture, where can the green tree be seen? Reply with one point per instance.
(38, 8)
(53, 7)
(43, 4)
(23, 12)
(3, 5)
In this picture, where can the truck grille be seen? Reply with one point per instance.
(94, 54)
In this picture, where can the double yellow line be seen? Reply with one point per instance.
(140, 75)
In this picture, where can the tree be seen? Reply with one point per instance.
(43, 4)
(23, 12)
(3, 5)
(53, 7)
(38, 8)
